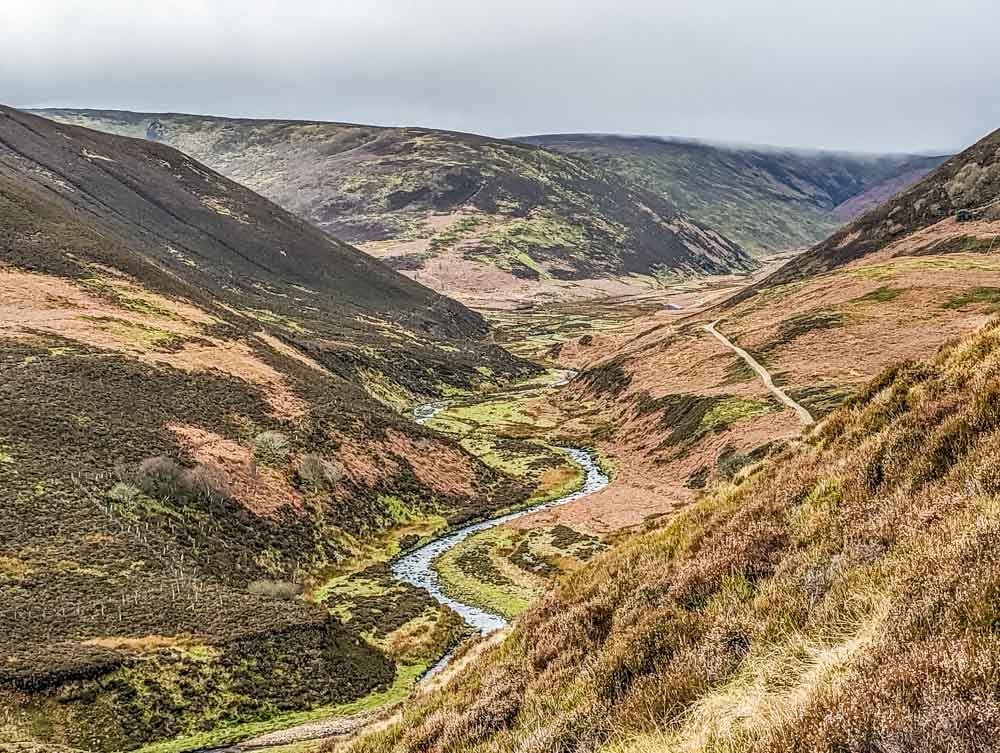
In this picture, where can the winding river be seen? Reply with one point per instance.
(416, 567)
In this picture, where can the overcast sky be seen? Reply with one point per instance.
(858, 74)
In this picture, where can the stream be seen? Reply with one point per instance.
(416, 568)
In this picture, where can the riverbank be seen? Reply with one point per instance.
(417, 568)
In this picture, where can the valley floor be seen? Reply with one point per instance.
(519, 431)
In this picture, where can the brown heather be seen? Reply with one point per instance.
(841, 595)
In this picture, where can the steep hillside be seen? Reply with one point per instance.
(464, 214)
(838, 596)
(200, 423)
(794, 586)
(952, 210)
(765, 199)
(680, 408)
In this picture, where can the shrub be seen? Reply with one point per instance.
(164, 478)
(275, 589)
(207, 482)
(124, 494)
(160, 476)
(270, 447)
(318, 472)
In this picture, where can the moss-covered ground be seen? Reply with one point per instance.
(504, 570)
(406, 678)
(508, 430)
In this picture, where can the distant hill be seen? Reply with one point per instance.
(465, 214)
(201, 413)
(766, 199)
(921, 220)
(815, 588)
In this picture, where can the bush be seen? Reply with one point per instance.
(275, 589)
(318, 472)
(207, 482)
(124, 494)
(160, 476)
(164, 478)
(271, 447)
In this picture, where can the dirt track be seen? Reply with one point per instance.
(763, 373)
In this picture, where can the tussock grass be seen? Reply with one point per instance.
(841, 595)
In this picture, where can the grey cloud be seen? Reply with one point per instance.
(888, 76)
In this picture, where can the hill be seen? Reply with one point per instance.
(766, 199)
(819, 587)
(682, 409)
(921, 221)
(464, 214)
(839, 595)
(201, 421)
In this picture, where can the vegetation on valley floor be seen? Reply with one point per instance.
(834, 594)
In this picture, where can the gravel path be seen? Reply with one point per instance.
(311, 731)
(804, 415)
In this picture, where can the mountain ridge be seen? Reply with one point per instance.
(768, 198)
(500, 213)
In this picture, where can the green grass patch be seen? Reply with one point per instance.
(406, 678)
(269, 317)
(980, 296)
(398, 509)
(469, 573)
(692, 417)
(887, 271)
(540, 230)
(135, 301)
(883, 294)
(456, 232)
(136, 333)
(728, 412)
(501, 455)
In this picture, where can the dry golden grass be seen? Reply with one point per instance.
(842, 595)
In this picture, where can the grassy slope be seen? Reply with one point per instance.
(765, 199)
(534, 213)
(838, 596)
(155, 313)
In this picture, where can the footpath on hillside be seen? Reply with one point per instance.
(804, 415)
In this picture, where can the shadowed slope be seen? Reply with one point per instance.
(206, 229)
(767, 199)
(492, 208)
(922, 220)
(202, 414)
